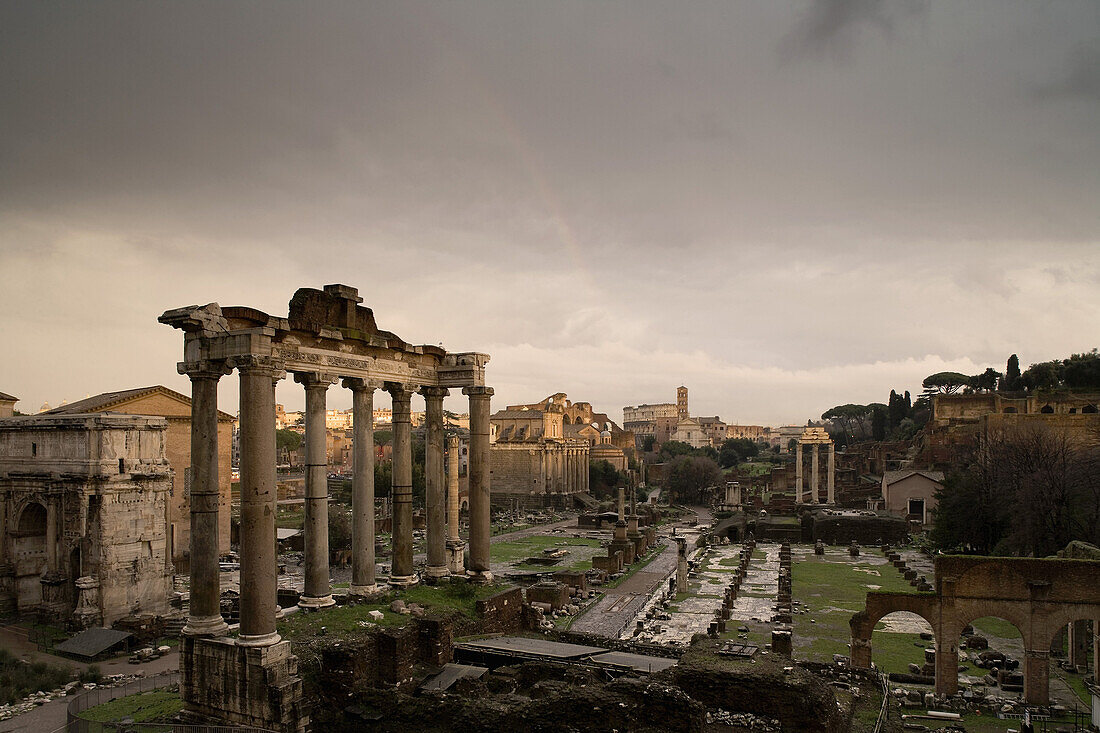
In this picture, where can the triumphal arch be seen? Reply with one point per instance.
(326, 338)
(1039, 597)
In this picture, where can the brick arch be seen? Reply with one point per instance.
(880, 605)
(1014, 613)
(1037, 596)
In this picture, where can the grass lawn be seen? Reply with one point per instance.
(833, 587)
(993, 626)
(344, 620)
(142, 708)
(581, 551)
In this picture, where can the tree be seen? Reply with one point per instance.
(878, 424)
(672, 448)
(987, 380)
(1082, 371)
(287, 441)
(1011, 381)
(339, 529)
(945, 382)
(603, 478)
(648, 442)
(1022, 491)
(1044, 375)
(728, 454)
(690, 476)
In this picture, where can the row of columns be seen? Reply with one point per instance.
(258, 376)
(815, 481)
(567, 469)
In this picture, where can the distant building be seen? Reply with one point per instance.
(176, 408)
(83, 500)
(911, 493)
(691, 432)
(7, 404)
(757, 433)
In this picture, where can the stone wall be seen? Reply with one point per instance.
(502, 613)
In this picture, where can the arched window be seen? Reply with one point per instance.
(1089, 409)
(1047, 410)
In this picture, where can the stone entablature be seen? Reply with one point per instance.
(82, 516)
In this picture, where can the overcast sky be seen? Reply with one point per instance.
(782, 205)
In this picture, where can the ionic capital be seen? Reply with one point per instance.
(258, 365)
(357, 384)
(315, 380)
(478, 391)
(213, 369)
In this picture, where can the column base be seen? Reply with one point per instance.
(259, 639)
(437, 571)
(404, 581)
(364, 591)
(479, 577)
(205, 626)
(312, 603)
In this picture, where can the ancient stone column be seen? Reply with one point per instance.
(318, 593)
(622, 504)
(831, 478)
(1077, 641)
(204, 617)
(258, 375)
(815, 479)
(798, 493)
(362, 487)
(455, 545)
(402, 572)
(51, 535)
(434, 482)
(480, 528)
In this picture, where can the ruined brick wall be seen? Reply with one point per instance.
(502, 613)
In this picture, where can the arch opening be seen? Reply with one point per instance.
(992, 647)
(32, 522)
(904, 643)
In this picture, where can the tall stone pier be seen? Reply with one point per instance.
(327, 337)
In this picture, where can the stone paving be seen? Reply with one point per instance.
(755, 600)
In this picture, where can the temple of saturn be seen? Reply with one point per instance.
(815, 438)
(326, 338)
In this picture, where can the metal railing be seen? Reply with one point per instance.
(92, 698)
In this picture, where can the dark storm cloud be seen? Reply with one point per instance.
(832, 27)
(586, 190)
(1081, 76)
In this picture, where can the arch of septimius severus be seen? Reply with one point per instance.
(326, 338)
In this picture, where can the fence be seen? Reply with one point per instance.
(92, 698)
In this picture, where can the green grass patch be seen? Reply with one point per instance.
(447, 598)
(144, 707)
(515, 551)
(994, 626)
(833, 587)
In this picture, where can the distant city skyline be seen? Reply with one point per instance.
(783, 206)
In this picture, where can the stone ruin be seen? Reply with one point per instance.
(251, 679)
